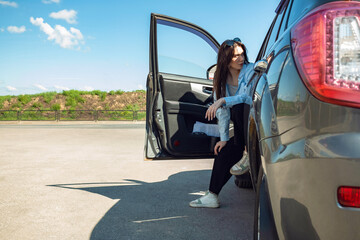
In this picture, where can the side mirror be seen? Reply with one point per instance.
(211, 72)
(261, 66)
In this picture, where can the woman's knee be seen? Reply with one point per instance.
(238, 107)
(237, 113)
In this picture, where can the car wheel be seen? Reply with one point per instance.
(264, 226)
(243, 181)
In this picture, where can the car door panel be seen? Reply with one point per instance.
(186, 90)
(182, 108)
(175, 101)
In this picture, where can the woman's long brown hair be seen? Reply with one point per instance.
(225, 54)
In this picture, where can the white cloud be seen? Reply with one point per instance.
(68, 15)
(61, 88)
(88, 88)
(50, 1)
(40, 87)
(141, 87)
(76, 33)
(2, 30)
(14, 29)
(8, 3)
(61, 36)
(10, 88)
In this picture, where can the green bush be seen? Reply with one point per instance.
(74, 93)
(96, 92)
(133, 107)
(37, 115)
(141, 116)
(103, 96)
(48, 96)
(37, 105)
(71, 102)
(16, 105)
(55, 107)
(24, 99)
(119, 92)
(73, 97)
(140, 91)
(8, 116)
(70, 93)
(79, 99)
(69, 115)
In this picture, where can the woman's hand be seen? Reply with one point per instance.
(218, 146)
(211, 112)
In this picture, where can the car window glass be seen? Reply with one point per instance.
(274, 32)
(288, 12)
(274, 69)
(298, 7)
(183, 53)
(285, 18)
(264, 44)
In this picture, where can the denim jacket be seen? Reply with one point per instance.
(241, 96)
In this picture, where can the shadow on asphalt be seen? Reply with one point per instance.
(160, 210)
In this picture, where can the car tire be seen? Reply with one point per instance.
(264, 225)
(243, 181)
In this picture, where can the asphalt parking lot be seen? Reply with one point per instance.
(90, 181)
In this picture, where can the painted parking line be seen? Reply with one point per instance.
(159, 219)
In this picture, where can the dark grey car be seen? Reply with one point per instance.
(304, 124)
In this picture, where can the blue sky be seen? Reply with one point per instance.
(55, 45)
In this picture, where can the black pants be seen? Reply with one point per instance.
(231, 153)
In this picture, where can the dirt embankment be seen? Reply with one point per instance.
(128, 100)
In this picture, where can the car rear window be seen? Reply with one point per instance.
(299, 7)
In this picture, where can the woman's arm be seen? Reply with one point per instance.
(211, 112)
(233, 100)
(223, 116)
(218, 146)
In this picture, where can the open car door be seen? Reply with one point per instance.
(179, 89)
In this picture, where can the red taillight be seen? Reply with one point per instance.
(326, 48)
(349, 196)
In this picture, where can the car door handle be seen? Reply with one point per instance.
(207, 90)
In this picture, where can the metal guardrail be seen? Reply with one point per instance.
(72, 115)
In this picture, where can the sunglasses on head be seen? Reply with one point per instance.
(231, 42)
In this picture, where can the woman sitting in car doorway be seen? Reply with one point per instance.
(232, 74)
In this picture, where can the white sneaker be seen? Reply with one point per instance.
(241, 166)
(209, 200)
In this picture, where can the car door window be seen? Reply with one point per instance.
(287, 15)
(283, 26)
(182, 52)
(275, 30)
(299, 7)
(264, 44)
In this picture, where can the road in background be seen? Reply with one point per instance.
(90, 181)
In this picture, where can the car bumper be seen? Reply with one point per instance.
(303, 183)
